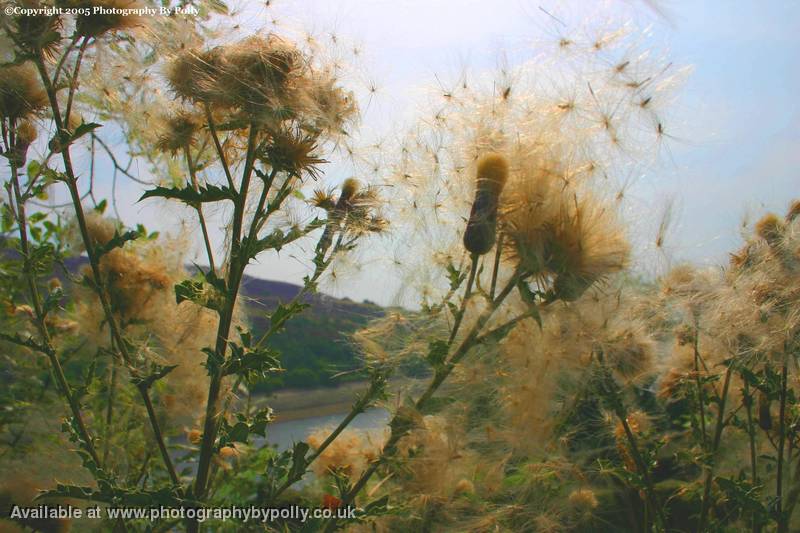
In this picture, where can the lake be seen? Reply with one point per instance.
(284, 434)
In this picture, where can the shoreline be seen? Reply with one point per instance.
(299, 404)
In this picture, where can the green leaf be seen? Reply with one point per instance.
(282, 314)
(117, 241)
(213, 362)
(83, 129)
(499, 333)
(52, 301)
(299, 463)
(455, 276)
(437, 353)
(187, 195)
(244, 427)
(248, 361)
(157, 373)
(208, 291)
(34, 168)
(191, 290)
(278, 239)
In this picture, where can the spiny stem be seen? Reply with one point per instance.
(112, 387)
(720, 425)
(91, 252)
(33, 289)
(159, 437)
(357, 408)
(498, 252)
(73, 83)
(748, 399)
(235, 273)
(467, 293)
(700, 394)
(199, 209)
(220, 152)
(610, 389)
(779, 504)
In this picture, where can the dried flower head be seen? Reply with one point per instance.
(577, 240)
(258, 72)
(770, 228)
(349, 454)
(21, 92)
(26, 132)
(36, 33)
(294, 152)
(179, 132)
(104, 16)
(194, 75)
(100, 229)
(583, 500)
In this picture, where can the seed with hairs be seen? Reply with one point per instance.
(482, 225)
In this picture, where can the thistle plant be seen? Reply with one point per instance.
(255, 119)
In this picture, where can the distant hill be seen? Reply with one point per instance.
(314, 345)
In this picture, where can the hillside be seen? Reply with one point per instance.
(315, 344)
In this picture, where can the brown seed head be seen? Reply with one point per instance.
(21, 93)
(770, 228)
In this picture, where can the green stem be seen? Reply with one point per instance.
(719, 427)
(398, 428)
(91, 252)
(700, 394)
(498, 252)
(779, 504)
(112, 387)
(220, 152)
(236, 271)
(752, 443)
(467, 293)
(40, 317)
(199, 209)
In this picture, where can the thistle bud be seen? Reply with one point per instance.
(482, 225)
(349, 189)
(26, 134)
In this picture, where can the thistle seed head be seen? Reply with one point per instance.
(21, 93)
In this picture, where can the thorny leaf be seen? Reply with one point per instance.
(117, 241)
(187, 195)
(244, 427)
(158, 372)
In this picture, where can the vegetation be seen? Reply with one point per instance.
(561, 393)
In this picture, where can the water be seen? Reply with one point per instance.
(284, 434)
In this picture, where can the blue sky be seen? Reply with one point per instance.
(735, 123)
(735, 151)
